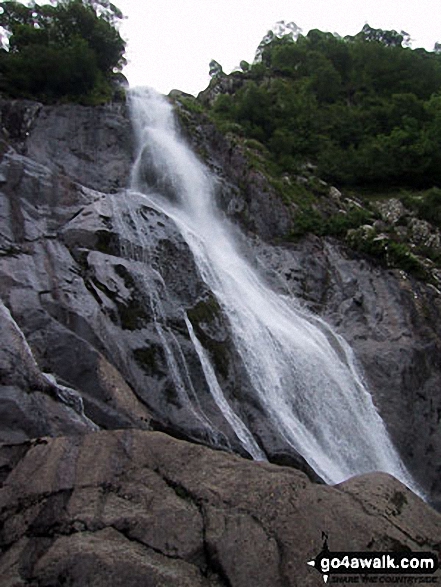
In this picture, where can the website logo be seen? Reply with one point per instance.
(373, 563)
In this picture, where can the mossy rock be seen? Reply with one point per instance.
(132, 313)
(151, 360)
(399, 500)
(208, 312)
(205, 311)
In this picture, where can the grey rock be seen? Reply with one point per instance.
(392, 323)
(423, 233)
(96, 285)
(100, 284)
(131, 508)
(28, 398)
(91, 145)
(221, 84)
(335, 194)
(391, 210)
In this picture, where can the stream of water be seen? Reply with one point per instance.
(303, 373)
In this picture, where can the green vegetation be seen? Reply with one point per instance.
(204, 311)
(362, 113)
(70, 50)
(388, 252)
(151, 359)
(203, 316)
(365, 109)
(427, 205)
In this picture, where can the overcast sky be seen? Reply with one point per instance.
(171, 42)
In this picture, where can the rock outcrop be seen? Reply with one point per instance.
(96, 288)
(128, 508)
(391, 320)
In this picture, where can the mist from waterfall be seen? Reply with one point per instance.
(304, 374)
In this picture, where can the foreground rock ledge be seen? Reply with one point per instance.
(136, 508)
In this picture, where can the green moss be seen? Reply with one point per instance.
(182, 493)
(191, 104)
(307, 220)
(145, 358)
(310, 220)
(255, 145)
(388, 252)
(189, 112)
(430, 253)
(339, 224)
(426, 204)
(204, 311)
(132, 316)
(399, 255)
(171, 395)
(220, 355)
(228, 128)
(151, 359)
(207, 312)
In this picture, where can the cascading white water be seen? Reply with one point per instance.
(127, 222)
(303, 373)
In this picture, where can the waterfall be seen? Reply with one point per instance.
(302, 372)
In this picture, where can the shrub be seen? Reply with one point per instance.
(69, 50)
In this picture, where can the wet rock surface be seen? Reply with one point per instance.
(391, 320)
(96, 286)
(392, 323)
(141, 508)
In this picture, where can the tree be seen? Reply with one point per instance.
(281, 30)
(71, 49)
(215, 69)
(363, 109)
(388, 38)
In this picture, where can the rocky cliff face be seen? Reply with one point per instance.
(93, 288)
(95, 285)
(391, 320)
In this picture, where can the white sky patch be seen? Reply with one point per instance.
(171, 42)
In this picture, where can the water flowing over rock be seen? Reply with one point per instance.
(121, 308)
(301, 373)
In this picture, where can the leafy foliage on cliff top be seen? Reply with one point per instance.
(365, 109)
(361, 113)
(70, 50)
